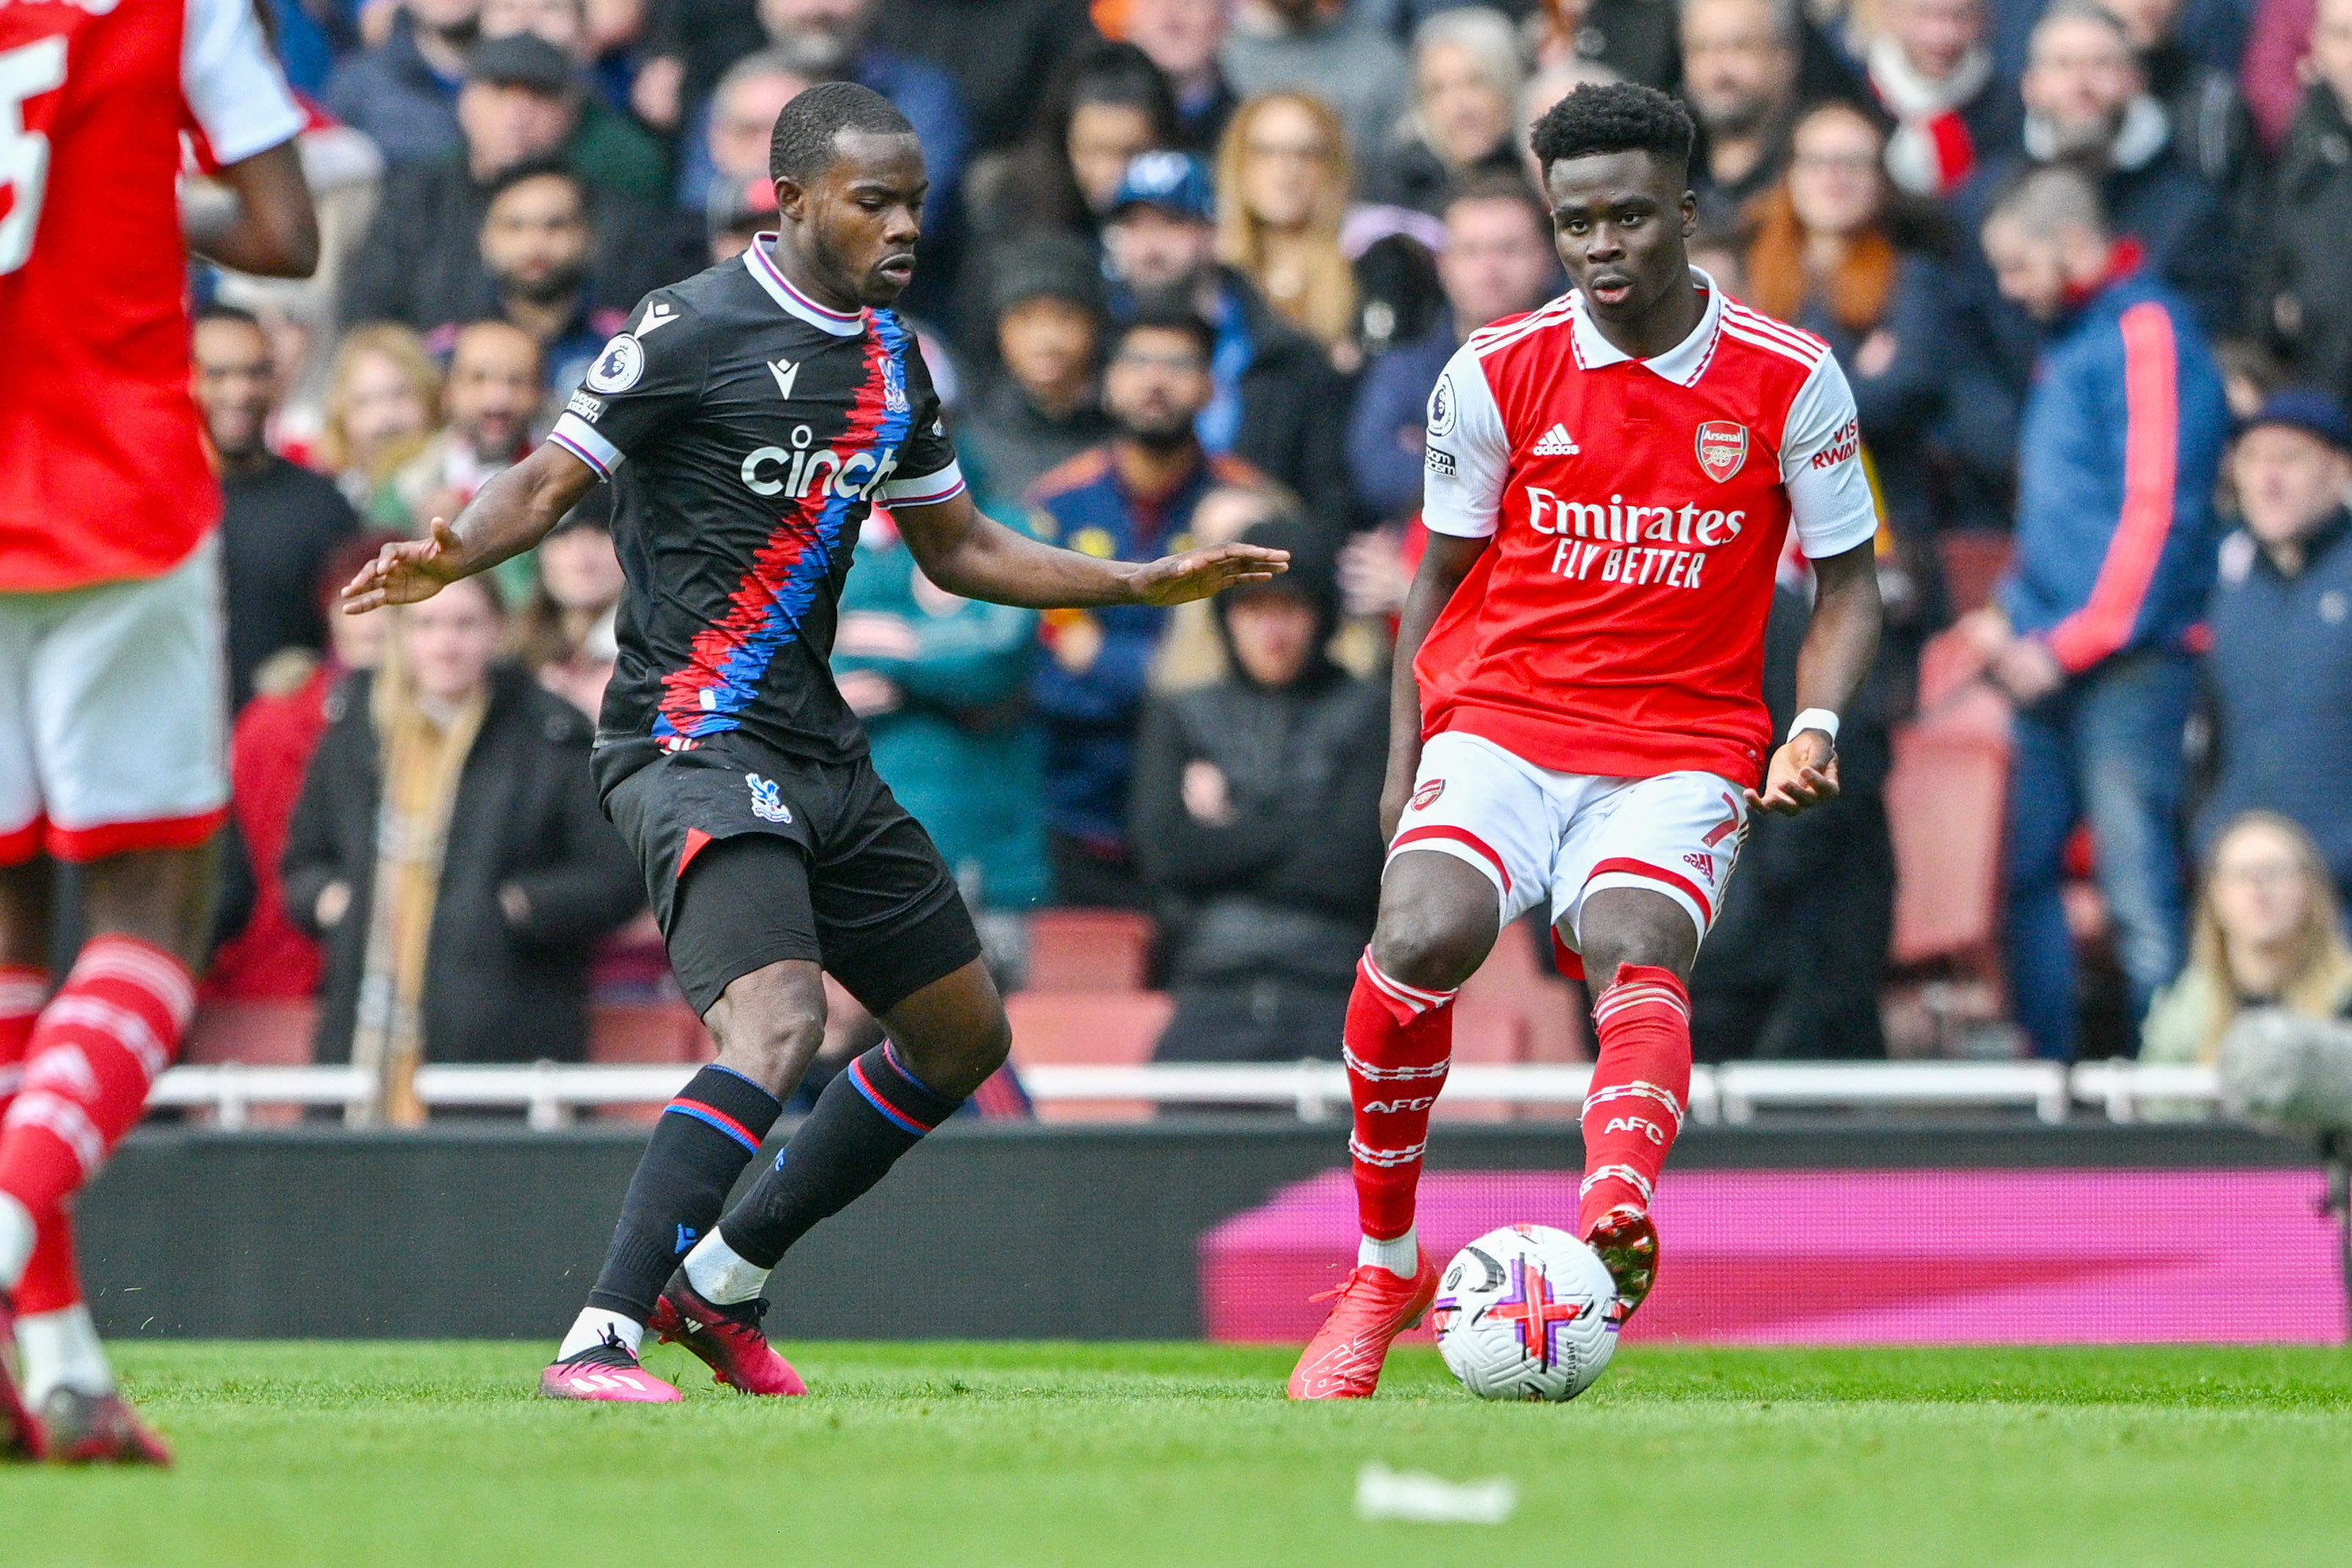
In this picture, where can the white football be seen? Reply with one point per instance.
(1526, 1312)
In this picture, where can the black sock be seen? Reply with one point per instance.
(869, 1116)
(701, 1142)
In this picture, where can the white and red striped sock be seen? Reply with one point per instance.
(96, 1049)
(1399, 1043)
(1641, 1083)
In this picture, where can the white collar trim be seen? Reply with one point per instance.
(1680, 364)
(762, 267)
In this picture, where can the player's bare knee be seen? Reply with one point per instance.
(1434, 949)
(769, 1025)
(1633, 925)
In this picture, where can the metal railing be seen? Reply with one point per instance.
(551, 1094)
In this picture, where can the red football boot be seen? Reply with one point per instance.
(727, 1338)
(99, 1429)
(1627, 1243)
(1343, 1360)
(20, 1432)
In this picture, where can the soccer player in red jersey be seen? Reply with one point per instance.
(113, 696)
(1577, 719)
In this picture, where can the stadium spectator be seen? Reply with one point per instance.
(1045, 408)
(1129, 500)
(2121, 442)
(564, 634)
(1498, 261)
(1282, 189)
(1274, 391)
(1184, 38)
(1466, 121)
(421, 263)
(1829, 253)
(1317, 47)
(2304, 290)
(938, 681)
(2279, 675)
(1255, 821)
(608, 149)
(1739, 78)
(536, 246)
(737, 217)
(995, 52)
(494, 389)
(742, 118)
(448, 852)
(384, 399)
(1107, 107)
(258, 953)
(1794, 962)
(2086, 102)
(2269, 932)
(279, 521)
(2212, 131)
(1931, 70)
(1632, 40)
(401, 94)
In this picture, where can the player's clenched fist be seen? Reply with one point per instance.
(408, 571)
(1803, 773)
(1196, 574)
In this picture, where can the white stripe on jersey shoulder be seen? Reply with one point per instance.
(1486, 339)
(780, 289)
(579, 438)
(1794, 342)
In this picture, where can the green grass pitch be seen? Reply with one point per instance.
(986, 1454)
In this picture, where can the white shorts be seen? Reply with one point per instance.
(1541, 836)
(113, 716)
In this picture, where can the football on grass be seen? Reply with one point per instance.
(1526, 1312)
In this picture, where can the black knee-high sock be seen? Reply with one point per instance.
(866, 1117)
(701, 1142)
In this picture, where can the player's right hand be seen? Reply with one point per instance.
(408, 570)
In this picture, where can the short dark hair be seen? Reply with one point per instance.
(802, 146)
(1511, 188)
(236, 314)
(551, 167)
(1168, 318)
(1613, 117)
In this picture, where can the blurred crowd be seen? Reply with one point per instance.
(1189, 269)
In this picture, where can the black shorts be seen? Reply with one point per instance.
(752, 857)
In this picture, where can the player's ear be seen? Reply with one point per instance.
(1690, 213)
(792, 198)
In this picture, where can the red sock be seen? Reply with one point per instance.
(22, 989)
(1399, 1041)
(96, 1049)
(50, 1283)
(1641, 1083)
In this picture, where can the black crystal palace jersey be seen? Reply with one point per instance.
(748, 431)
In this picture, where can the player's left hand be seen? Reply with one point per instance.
(408, 571)
(1196, 574)
(1803, 773)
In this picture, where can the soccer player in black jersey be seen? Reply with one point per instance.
(749, 418)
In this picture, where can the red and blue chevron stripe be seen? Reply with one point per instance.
(723, 669)
(712, 1117)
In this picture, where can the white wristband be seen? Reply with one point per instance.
(1819, 718)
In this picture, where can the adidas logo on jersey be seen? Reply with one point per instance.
(1557, 443)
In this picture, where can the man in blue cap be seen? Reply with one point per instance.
(1280, 405)
(2279, 675)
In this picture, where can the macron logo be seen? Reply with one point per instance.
(1557, 443)
(786, 372)
(657, 316)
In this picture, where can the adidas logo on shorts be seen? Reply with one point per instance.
(1557, 443)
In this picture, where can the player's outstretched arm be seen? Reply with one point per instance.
(1443, 565)
(507, 516)
(970, 554)
(269, 227)
(1840, 640)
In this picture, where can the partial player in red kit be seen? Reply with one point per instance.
(112, 700)
(1577, 720)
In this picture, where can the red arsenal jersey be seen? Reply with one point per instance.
(102, 469)
(1637, 507)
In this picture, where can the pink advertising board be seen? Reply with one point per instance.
(1864, 1257)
